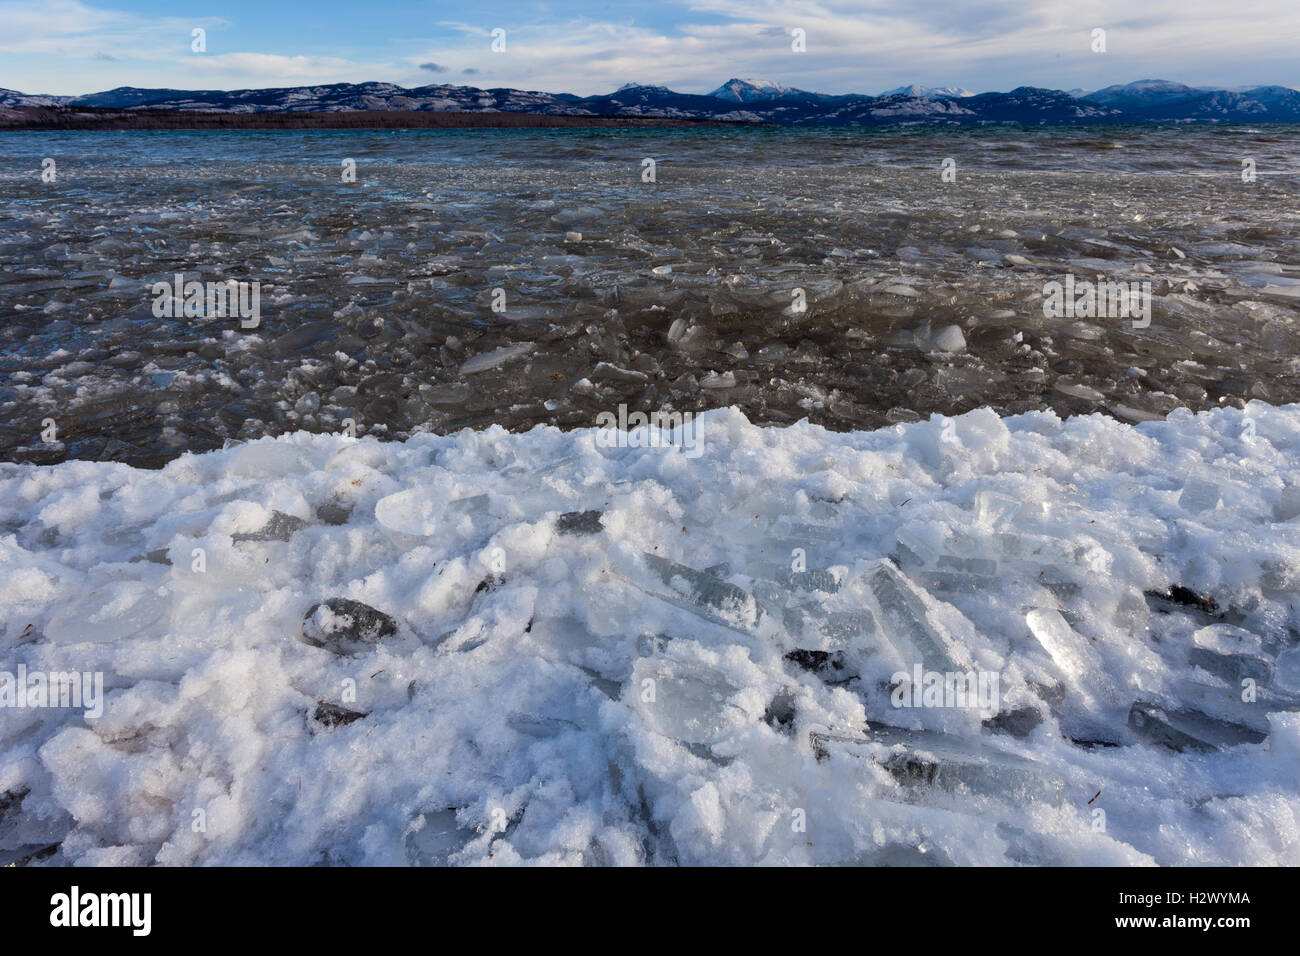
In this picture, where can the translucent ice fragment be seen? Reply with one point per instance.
(1182, 728)
(1036, 548)
(1069, 650)
(1199, 495)
(1233, 668)
(915, 547)
(681, 699)
(1287, 672)
(109, 613)
(435, 837)
(496, 357)
(921, 760)
(416, 511)
(789, 580)
(993, 509)
(904, 619)
(713, 598)
(981, 567)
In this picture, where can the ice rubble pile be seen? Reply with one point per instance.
(510, 648)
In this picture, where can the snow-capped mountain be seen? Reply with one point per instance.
(12, 98)
(929, 92)
(1163, 100)
(737, 100)
(757, 91)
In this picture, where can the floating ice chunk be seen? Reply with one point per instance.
(904, 290)
(718, 380)
(497, 357)
(1199, 495)
(922, 760)
(949, 339)
(682, 700)
(904, 619)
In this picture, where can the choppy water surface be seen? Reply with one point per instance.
(376, 296)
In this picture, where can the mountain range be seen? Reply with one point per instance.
(737, 100)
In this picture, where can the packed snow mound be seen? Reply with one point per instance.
(544, 648)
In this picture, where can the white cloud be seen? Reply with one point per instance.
(58, 46)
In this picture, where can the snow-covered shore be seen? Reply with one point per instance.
(533, 689)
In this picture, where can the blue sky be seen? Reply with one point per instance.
(861, 46)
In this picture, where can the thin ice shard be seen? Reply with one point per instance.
(904, 619)
(992, 509)
(1183, 728)
(924, 760)
(1069, 650)
(715, 599)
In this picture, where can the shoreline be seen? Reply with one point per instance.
(36, 118)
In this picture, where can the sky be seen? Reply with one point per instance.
(851, 46)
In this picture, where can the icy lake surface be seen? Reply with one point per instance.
(377, 296)
(498, 648)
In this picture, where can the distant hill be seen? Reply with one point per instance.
(737, 100)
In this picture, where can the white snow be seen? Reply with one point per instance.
(557, 698)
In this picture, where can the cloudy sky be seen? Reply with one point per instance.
(852, 46)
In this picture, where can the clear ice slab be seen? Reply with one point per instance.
(924, 760)
(683, 700)
(712, 598)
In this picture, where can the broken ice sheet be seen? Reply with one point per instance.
(434, 838)
(417, 511)
(923, 760)
(1231, 654)
(1204, 718)
(714, 599)
(993, 509)
(905, 621)
(110, 612)
(1072, 654)
(684, 700)
(1183, 728)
